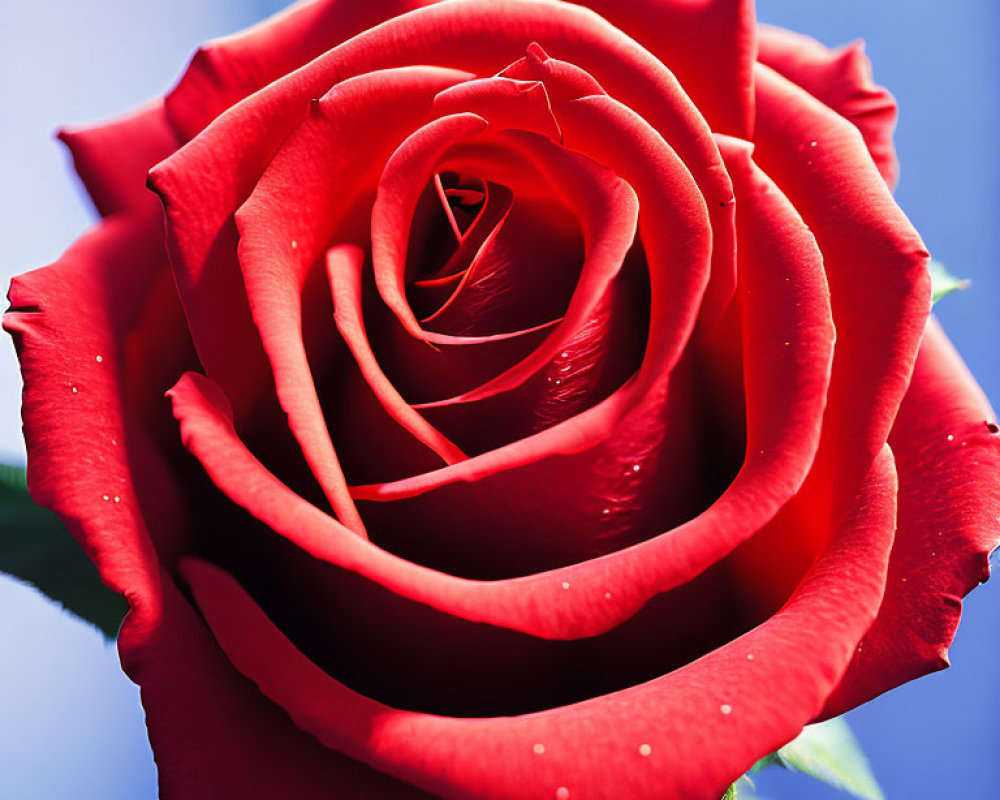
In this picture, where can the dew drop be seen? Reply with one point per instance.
(565, 584)
(813, 144)
(635, 468)
(557, 381)
(74, 389)
(117, 499)
(787, 344)
(607, 595)
(645, 749)
(750, 656)
(106, 498)
(725, 708)
(564, 354)
(562, 793)
(100, 359)
(295, 244)
(538, 749)
(605, 511)
(951, 437)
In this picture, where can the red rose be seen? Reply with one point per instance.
(509, 450)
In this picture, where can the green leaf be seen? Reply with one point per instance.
(731, 793)
(36, 547)
(942, 281)
(828, 752)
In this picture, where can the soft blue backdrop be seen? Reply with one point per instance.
(71, 725)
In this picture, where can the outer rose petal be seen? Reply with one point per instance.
(87, 396)
(597, 748)
(215, 737)
(949, 521)
(875, 265)
(708, 44)
(842, 79)
(225, 71)
(112, 158)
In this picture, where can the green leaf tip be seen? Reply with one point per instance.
(942, 281)
(828, 752)
(36, 547)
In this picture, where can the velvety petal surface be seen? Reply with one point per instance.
(644, 741)
(842, 79)
(875, 264)
(948, 457)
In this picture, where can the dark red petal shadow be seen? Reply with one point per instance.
(784, 420)
(282, 234)
(648, 741)
(215, 736)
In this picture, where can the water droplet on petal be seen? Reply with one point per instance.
(538, 749)
(100, 359)
(565, 584)
(106, 497)
(562, 793)
(635, 468)
(750, 656)
(951, 437)
(74, 389)
(117, 499)
(607, 595)
(645, 749)
(725, 708)
(295, 244)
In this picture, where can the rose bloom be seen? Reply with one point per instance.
(505, 400)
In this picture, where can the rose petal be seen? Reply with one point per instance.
(344, 266)
(701, 42)
(521, 277)
(112, 157)
(642, 742)
(842, 79)
(282, 234)
(227, 70)
(949, 522)
(875, 264)
(224, 71)
(783, 420)
(215, 735)
(477, 36)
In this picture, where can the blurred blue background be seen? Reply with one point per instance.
(70, 723)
